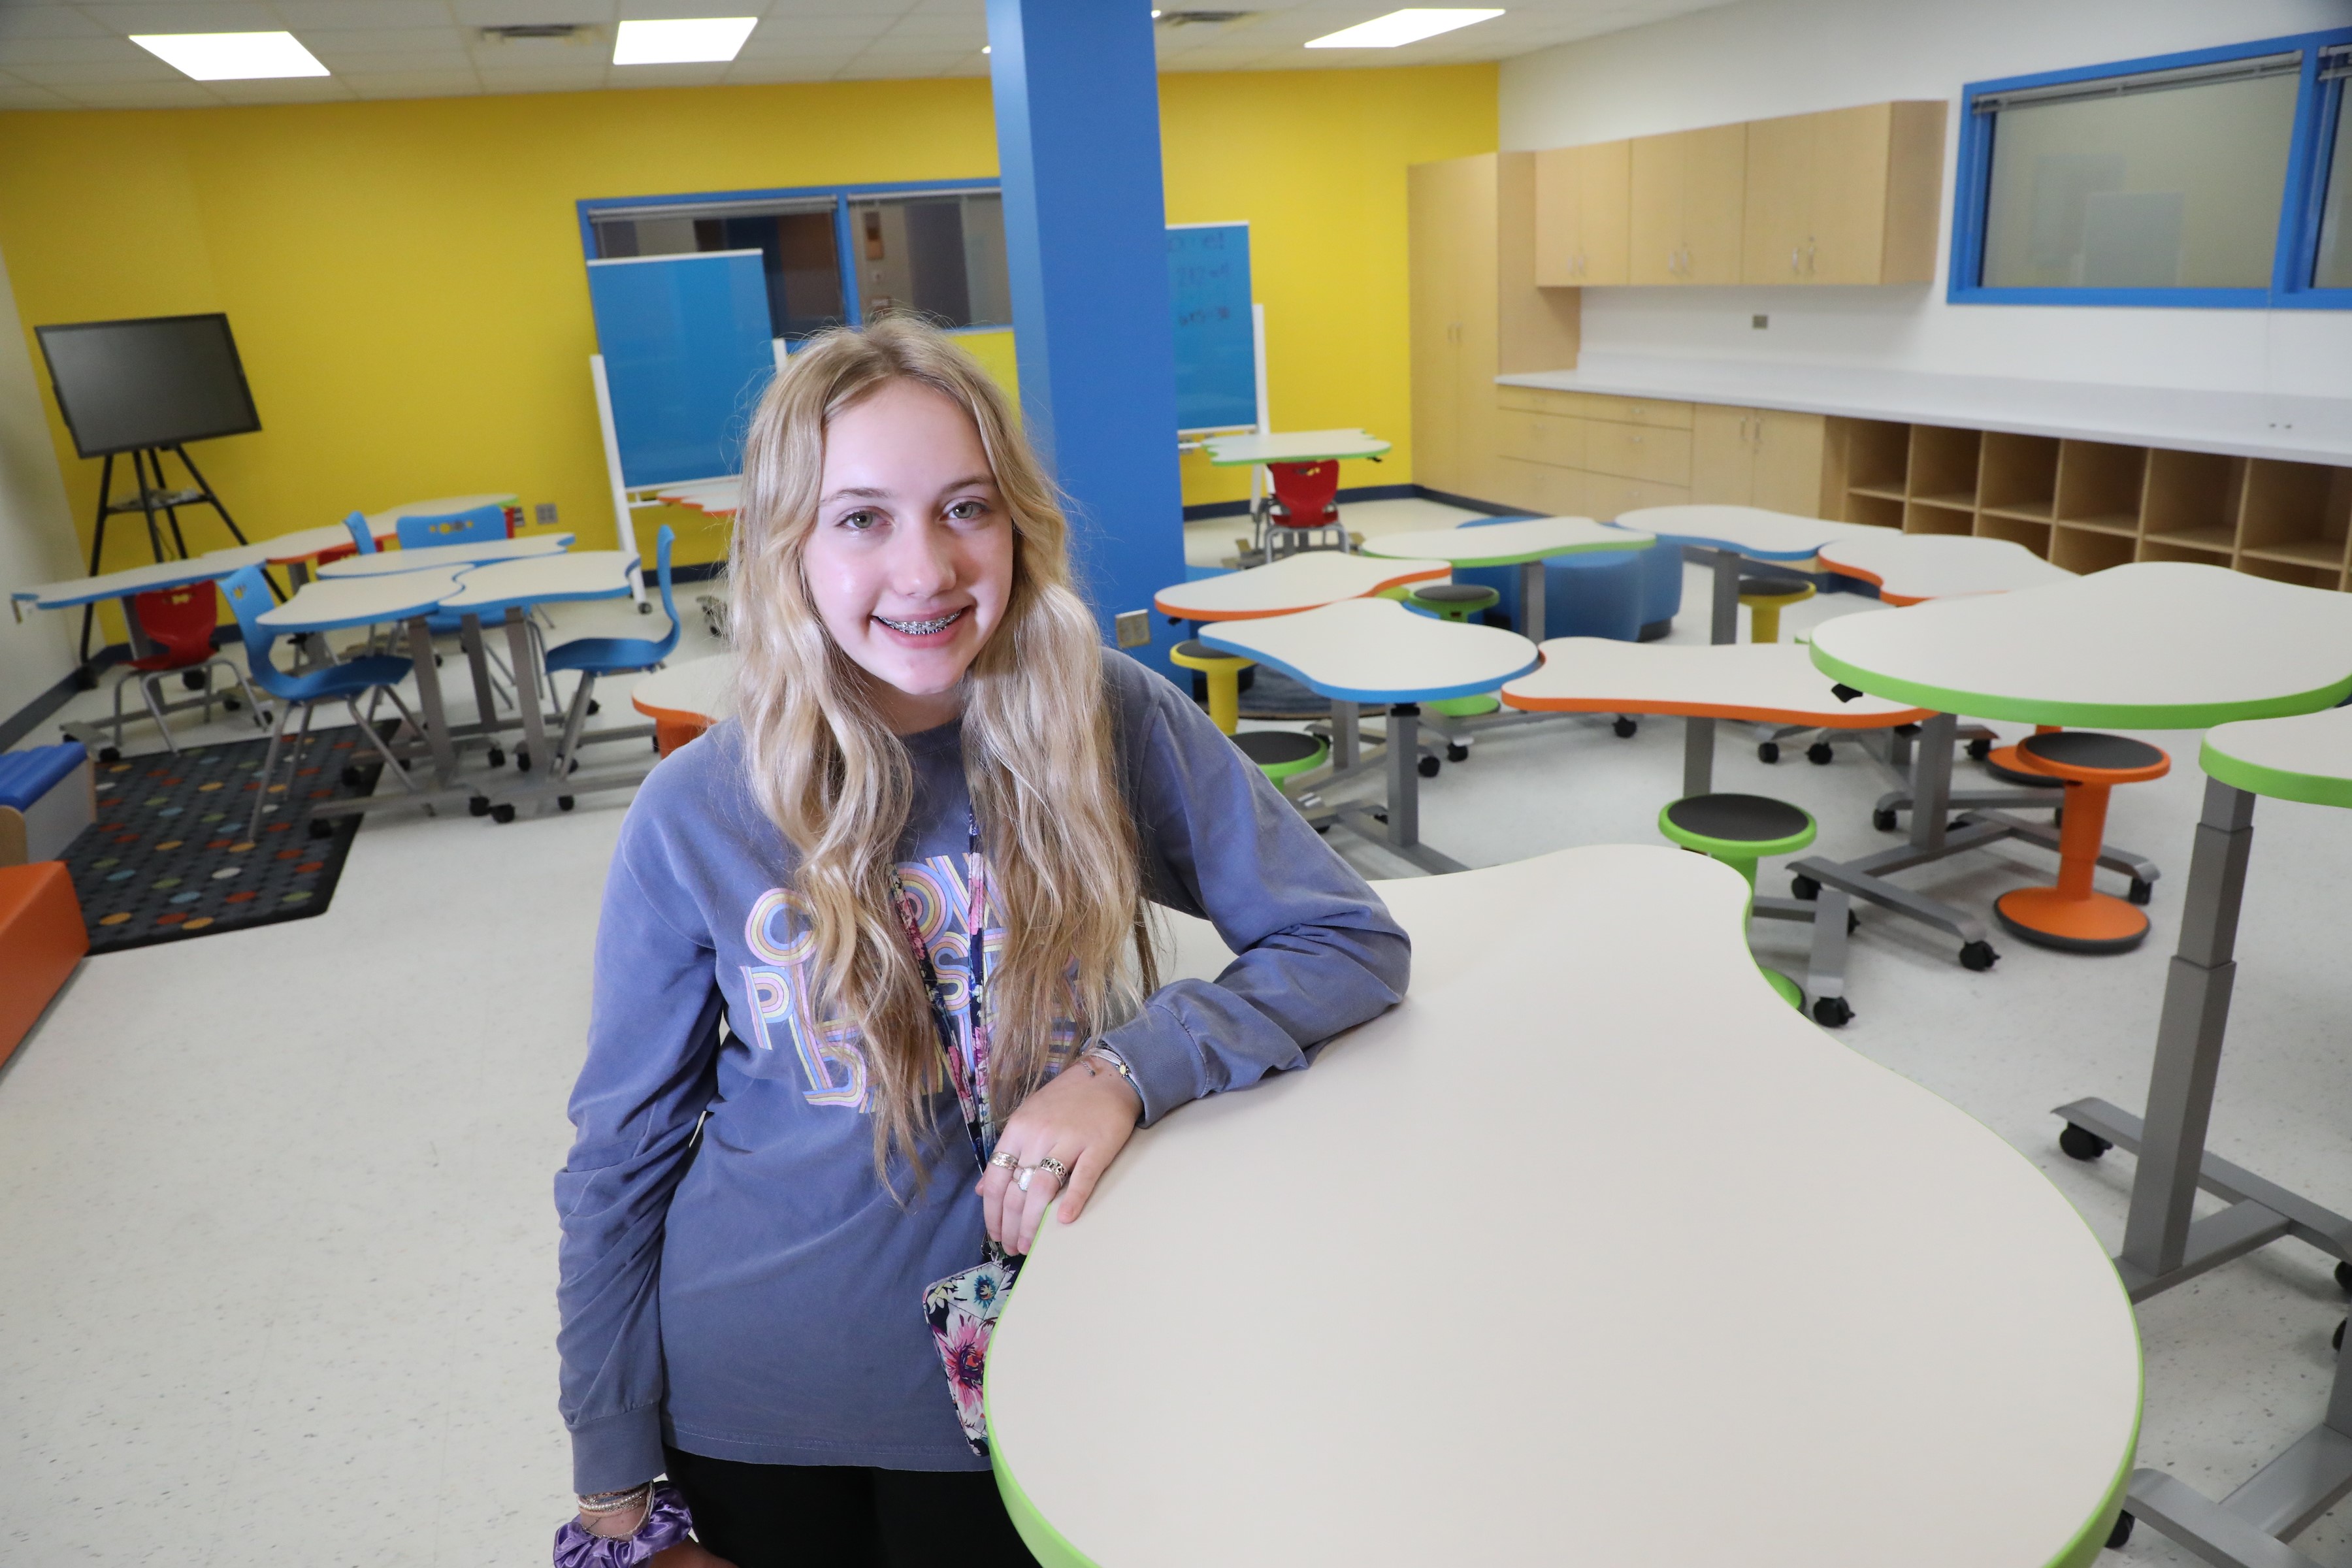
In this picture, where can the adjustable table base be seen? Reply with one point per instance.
(1394, 826)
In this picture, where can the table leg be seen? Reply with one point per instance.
(430, 708)
(1699, 755)
(1722, 624)
(1531, 600)
(1931, 783)
(1404, 775)
(486, 702)
(1343, 735)
(526, 679)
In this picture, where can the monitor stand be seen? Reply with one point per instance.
(147, 466)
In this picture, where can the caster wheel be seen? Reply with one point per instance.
(502, 812)
(322, 829)
(478, 806)
(595, 707)
(1852, 922)
(437, 661)
(2335, 1340)
(1978, 955)
(351, 776)
(1883, 820)
(1379, 816)
(194, 679)
(1625, 729)
(85, 681)
(1833, 1012)
(522, 758)
(563, 802)
(2344, 1276)
(1906, 728)
(2057, 817)
(1429, 767)
(647, 609)
(1457, 753)
(1803, 887)
(232, 704)
(1322, 828)
(1979, 749)
(2081, 1142)
(1820, 754)
(2121, 1533)
(2141, 892)
(109, 754)
(497, 756)
(1767, 751)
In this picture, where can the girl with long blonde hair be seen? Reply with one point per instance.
(874, 986)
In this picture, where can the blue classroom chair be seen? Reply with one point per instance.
(592, 657)
(249, 596)
(425, 531)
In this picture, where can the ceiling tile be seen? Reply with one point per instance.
(363, 14)
(709, 74)
(207, 16)
(808, 67)
(31, 98)
(141, 95)
(514, 13)
(47, 22)
(377, 63)
(352, 43)
(14, 52)
(283, 90)
(414, 84)
(67, 74)
(568, 80)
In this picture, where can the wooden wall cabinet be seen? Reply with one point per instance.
(1849, 195)
(1689, 194)
(1477, 312)
(1758, 456)
(1583, 209)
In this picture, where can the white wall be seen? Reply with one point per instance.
(36, 539)
(1759, 58)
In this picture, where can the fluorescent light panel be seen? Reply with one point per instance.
(231, 56)
(696, 40)
(1406, 26)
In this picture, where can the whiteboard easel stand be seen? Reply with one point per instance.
(624, 529)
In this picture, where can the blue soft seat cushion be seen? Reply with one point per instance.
(26, 776)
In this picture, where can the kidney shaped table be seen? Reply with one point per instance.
(1526, 543)
(2155, 645)
(1377, 651)
(1912, 568)
(1721, 537)
(1666, 1277)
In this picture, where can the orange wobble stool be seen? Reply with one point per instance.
(2071, 916)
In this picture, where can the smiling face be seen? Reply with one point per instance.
(910, 561)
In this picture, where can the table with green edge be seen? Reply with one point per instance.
(2158, 645)
(1526, 543)
(1254, 450)
(1475, 1334)
(2305, 758)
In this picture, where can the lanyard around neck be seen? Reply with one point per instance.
(969, 1074)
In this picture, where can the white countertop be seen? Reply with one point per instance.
(2240, 423)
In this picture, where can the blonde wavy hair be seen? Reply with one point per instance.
(1064, 874)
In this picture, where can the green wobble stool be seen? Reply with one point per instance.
(1740, 830)
(1456, 601)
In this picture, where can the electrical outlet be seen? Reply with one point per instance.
(543, 514)
(1759, 323)
(1133, 626)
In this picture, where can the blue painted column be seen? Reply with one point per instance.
(1077, 141)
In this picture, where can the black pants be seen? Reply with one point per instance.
(845, 1516)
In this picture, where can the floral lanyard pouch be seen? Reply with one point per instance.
(963, 1308)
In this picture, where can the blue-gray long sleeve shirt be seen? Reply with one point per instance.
(756, 1293)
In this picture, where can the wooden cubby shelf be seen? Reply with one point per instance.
(2090, 505)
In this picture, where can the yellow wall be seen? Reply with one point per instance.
(1316, 162)
(405, 281)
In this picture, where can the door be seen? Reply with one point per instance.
(1789, 450)
(1560, 217)
(1723, 460)
(1715, 194)
(1654, 221)
(1777, 221)
(1605, 212)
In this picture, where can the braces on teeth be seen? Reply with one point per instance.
(920, 628)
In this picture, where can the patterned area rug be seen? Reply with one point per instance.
(168, 858)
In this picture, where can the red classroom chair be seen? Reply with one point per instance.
(1304, 506)
(178, 622)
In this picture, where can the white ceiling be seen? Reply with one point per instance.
(79, 55)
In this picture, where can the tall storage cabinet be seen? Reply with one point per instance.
(1688, 197)
(1477, 312)
(1844, 196)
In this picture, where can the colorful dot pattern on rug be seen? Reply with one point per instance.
(168, 857)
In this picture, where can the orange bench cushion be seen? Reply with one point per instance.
(41, 940)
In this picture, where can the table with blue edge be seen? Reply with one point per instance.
(1721, 538)
(1376, 652)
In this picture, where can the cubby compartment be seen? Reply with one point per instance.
(2034, 536)
(1878, 511)
(2191, 509)
(1944, 467)
(2296, 514)
(2302, 574)
(2018, 475)
(1877, 456)
(1924, 517)
(2099, 486)
(2089, 549)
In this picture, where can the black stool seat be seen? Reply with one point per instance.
(1273, 748)
(1195, 648)
(1469, 594)
(2089, 749)
(1737, 818)
(1771, 582)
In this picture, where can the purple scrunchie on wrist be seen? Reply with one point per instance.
(667, 1522)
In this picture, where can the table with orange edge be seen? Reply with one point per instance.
(685, 699)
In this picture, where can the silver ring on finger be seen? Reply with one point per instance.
(1054, 1168)
(1006, 1160)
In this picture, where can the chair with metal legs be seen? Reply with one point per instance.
(178, 622)
(592, 657)
(249, 596)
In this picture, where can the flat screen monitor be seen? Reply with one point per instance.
(154, 382)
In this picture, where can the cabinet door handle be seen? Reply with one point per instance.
(1809, 251)
(1743, 432)
(1792, 256)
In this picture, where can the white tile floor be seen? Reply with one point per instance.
(278, 1238)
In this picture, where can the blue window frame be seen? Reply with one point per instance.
(2320, 68)
(790, 322)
